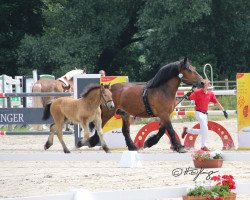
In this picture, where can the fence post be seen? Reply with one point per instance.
(227, 84)
(10, 126)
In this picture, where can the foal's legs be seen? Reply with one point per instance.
(59, 127)
(86, 131)
(50, 140)
(98, 125)
(106, 116)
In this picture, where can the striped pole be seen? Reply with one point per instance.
(2, 94)
(210, 112)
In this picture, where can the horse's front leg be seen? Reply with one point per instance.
(126, 130)
(106, 116)
(176, 144)
(154, 139)
(85, 140)
(98, 125)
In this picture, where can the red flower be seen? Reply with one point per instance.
(219, 198)
(215, 178)
(226, 180)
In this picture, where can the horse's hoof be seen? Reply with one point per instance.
(66, 151)
(132, 148)
(46, 146)
(79, 144)
(106, 149)
(181, 150)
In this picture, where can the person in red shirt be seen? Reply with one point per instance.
(202, 98)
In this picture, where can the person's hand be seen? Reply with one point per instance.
(225, 114)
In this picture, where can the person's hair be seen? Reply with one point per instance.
(206, 82)
(102, 72)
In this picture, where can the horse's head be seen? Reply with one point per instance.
(106, 96)
(189, 75)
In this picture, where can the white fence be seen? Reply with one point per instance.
(136, 194)
(102, 156)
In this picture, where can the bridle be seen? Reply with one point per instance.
(105, 101)
(180, 75)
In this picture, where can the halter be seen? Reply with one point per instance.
(180, 75)
(102, 97)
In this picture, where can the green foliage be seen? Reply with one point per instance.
(123, 37)
(16, 19)
(228, 102)
(199, 190)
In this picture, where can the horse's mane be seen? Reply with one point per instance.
(69, 75)
(89, 88)
(165, 73)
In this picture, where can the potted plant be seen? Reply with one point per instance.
(222, 190)
(206, 159)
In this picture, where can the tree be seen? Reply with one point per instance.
(137, 37)
(16, 19)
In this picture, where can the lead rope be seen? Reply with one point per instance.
(185, 96)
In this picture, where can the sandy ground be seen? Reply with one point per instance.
(31, 178)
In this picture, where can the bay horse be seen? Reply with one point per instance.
(62, 84)
(156, 98)
(84, 110)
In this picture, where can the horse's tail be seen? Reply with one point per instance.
(46, 111)
(37, 101)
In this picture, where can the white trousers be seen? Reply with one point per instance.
(203, 131)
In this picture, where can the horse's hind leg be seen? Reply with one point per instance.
(49, 142)
(126, 130)
(59, 131)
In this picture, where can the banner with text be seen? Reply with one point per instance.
(243, 106)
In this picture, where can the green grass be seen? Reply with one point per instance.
(15, 129)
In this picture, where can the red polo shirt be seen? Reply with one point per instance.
(202, 99)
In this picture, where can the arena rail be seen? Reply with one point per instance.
(133, 194)
(35, 94)
(114, 156)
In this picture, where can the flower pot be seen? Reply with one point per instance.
(194, 197)
(213, 163)
(231, 196)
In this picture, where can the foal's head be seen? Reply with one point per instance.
(189, 75)
(106, 96)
